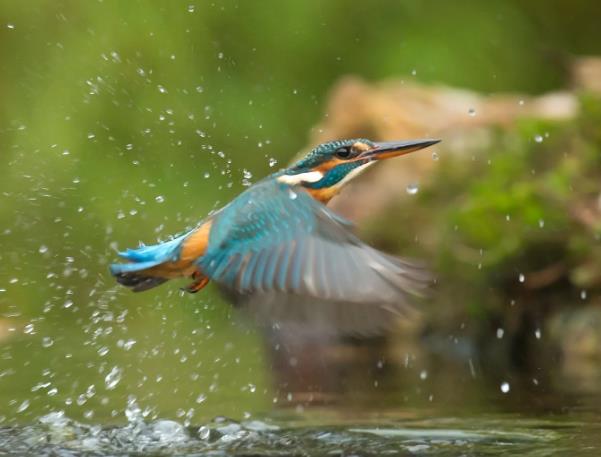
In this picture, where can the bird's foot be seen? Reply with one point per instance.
(199, 282)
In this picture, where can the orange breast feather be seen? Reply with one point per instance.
(193, 247)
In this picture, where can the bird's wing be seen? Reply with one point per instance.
(276, 244)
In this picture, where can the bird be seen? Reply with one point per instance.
(279, 251)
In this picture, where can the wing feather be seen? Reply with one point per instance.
(259, 271)
(294, 259)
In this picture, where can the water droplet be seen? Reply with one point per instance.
(159, 199)
(272, 162)
(413, 72)
(201, 398)
(471, 112)
(435, 156)
(521, 103)
(128, 344)
(91, 391)
(423, 375)
(541, 223)
(538, 138)
(112, 379)
(133, 412)
(47, 342)
(162, 90)
(191, 8)
(220, 55)
(10, 26)
(29, 329)
(23, 406)
(204, 432)
(200, 89)
(292, 194)
(103, 351)
(583, 294)
(412, 188)
(207, 175)
(537, 333)
(521, 277)
(247, 175)
(505, 387)
(52, 392)
(500, 333)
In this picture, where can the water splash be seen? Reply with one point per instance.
(56, 434)
(113, 378)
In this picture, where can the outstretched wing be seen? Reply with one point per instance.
(292, 259)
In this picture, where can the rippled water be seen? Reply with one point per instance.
(55, 434)
(157, 385)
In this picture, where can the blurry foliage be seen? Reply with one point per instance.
(109, 105)
(529, 205)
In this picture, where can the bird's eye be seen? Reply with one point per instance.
(344, 153)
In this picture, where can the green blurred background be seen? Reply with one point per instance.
(127, 121)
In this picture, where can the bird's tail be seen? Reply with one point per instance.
(149, 266)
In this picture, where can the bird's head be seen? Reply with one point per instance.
(329, 166)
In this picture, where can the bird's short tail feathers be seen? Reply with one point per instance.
(138, 274)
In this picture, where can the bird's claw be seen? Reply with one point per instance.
(199, 282)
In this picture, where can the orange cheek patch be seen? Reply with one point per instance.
(323, 195)
(327, 166)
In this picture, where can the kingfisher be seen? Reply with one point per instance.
(278, 250)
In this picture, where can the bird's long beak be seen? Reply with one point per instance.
(390, 149)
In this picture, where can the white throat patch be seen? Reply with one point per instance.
(311, 176)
